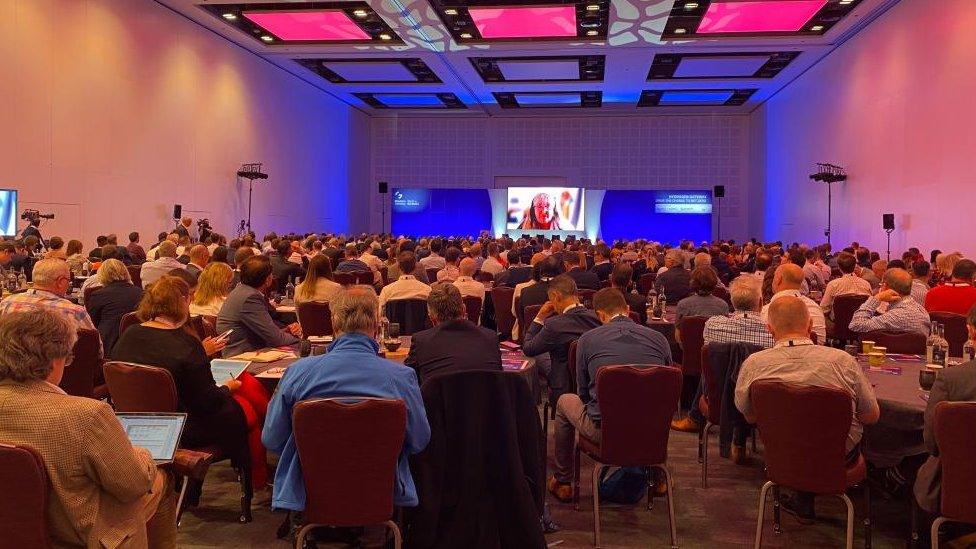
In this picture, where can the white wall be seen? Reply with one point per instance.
(640, 152)
(114, 110)
(895, 106)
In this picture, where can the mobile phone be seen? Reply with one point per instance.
(224, 335)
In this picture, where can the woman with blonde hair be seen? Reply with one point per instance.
(230, 415)
(116, 297)
(212, 289)
(317, 285)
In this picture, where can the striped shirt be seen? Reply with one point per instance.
(904, 315)
(919, 291)
(33, 300)
(740, 327)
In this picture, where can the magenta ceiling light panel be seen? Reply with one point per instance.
(758, 16)
(525, 22)
(318, 25)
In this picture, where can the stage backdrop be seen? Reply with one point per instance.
(423, 212)
(664, 216)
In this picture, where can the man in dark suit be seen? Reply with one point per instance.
(516, 273)
(951, 385)
(675, 282)
(246, 312)
(584, 279)
(199, 258)
(622, 279)
(538, 293)
(454, 343)
(283, 269)
(601, 262)
(561, 321)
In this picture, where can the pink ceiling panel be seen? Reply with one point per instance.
(525, 22)
(319, 25)
(759, 16)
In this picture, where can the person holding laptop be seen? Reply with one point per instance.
(228, 413)
(103, 492)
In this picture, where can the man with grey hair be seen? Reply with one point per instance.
(902, 314)
(351, 367)
(100, 486)
(454, 343)
(673, 281)
(466, 283)
(52, 280)
(787, 281)
(151, 271)
(796, 360)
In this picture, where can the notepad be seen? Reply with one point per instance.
(224, 369)
(158, 433)
(271, 355)
(272, 373)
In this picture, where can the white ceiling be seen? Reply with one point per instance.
(634, 37)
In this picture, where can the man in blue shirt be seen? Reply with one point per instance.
(619, 340)
(350, 368)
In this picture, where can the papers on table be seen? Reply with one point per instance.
(272, 373)
(514, 364)
(285, 308)
(509, 346)
(319, 340)
(158, 433)
(271, 355)
(224, 369)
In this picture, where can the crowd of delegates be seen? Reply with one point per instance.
(777, 299)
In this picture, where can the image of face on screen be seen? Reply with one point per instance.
(544, 209)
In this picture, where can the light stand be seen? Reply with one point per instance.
(889, 231)
(383, 209)
(829, 174)
(719, 218)
(250, 172)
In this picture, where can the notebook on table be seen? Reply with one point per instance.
(224, 368)
(158, 433)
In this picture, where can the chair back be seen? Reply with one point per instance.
(482, 276)
(501, 301)
(135, 273)
(804, 430)
(724, 295)
(955, 330)
(23, 508)
(79, 377)
(90, 291)
(635, 316)
(953, 435)
(128, 320)
(365, 277)
(637, 404)
(432, 275)
(692, 334)
(586, 297)
(198, 326)
(140, 388)
(528, 313)
(571, 366)
(844, 307)
(472, 306)
(315, 318)
(349, 450)
(713, 393)
(345, 279)
(385, 274)
(410, 314)
(910, 343)
(646, 283)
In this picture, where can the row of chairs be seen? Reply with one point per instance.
(411, 314)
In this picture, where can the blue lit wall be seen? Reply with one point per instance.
(457, 212)
(641, 214)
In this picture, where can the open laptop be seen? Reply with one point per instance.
(158, 433)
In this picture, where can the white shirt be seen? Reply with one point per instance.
(848, 284)
(151, 271)
(470, 287)
(406, 287)
(433, 261)
(492, 266)
(816, 313)
(210, 309)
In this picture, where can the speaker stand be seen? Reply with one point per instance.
(719, 200)
(383, 209)
(889, 231)
(830, 197)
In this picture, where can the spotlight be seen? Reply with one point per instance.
(385, 36)
(466, 35)
(592, 33)
(680, 31)
(360, 13)
(230, 16)
(593, 7)
(450, 11)
(691, 5)
(816, 28)
(267, 38)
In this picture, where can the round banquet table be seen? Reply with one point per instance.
(898, 433)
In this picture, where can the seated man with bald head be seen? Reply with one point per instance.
(468, 286)
(796, 360)
(52, 281)
(902, 314)
(786, 283)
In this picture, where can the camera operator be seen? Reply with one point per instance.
(33, 218)
(204, 229)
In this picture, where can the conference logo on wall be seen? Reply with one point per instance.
(683, 202)
(410, 200)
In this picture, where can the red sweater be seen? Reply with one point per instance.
(951, 298)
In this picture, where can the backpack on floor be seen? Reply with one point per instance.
(623, 484)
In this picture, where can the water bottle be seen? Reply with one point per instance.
(968, 350)
(11, 281)
(930, 345)
(290, 289)
(651, 303)
(21, 280)
(86, 268)
(940, 350)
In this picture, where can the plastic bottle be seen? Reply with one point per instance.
(290, 289)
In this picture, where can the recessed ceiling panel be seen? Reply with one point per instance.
(758, 16)
(720, 66)
(310, 26)
(371, 70)
(690, 66)
(292, 23)
(539, 70)
(426, 101)
(525, 22)
(481, 21)
(543, 99)
(695, 98)
(548, 99)
(352, 71)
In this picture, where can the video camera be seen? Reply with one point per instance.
(33, 216)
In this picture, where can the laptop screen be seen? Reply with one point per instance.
(158, 433)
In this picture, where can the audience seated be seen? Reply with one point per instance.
(351, 263)
(73, 256)
(407, 286)
(151, 271)
(956, 295)
(618, 340)
(434, 260)
(787, 280)
(674, 282)
(903, 314)
(285, 271)
(246, 312)
(199, 257)
(494, 264)
(468, 286)
(584, 279)
(622, 280)
(52, 280)
(920, 278)
(516, 273)
(350, 368)
(451, 270)
(117, 297)
(701, 302)
(136, 251)
(795, 359)
(601, 262)
(318, 284)
(454, 343)
(213, 286)
(103, 492)
(848, 283)
(535, 291)
(229, 415)
(55, 249)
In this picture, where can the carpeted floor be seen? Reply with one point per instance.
(723, 515)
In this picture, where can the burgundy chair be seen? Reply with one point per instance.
(953, 435)
(910, 343)
(23, 508)
(367, 278)
(135, 273)
(528, 314)
(482, 276)
(692, 339)
(410, 314)
(202, 327)
(635, 316)
(586, 297)
(349, 450)
(80, 377)
(128, 320)
(385, 274)
(345, 279)
(843, 308)
(955, 331)
(139, 388)
(501, 300)
(315, 318)
(646, 283)
(432, 275)
(636, 407)
(472, 306)
(804, 430)
(90, 291)
(724, 295)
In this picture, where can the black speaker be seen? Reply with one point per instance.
(719, 191)
(888, 221)
(383, 187)
(177, 211)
